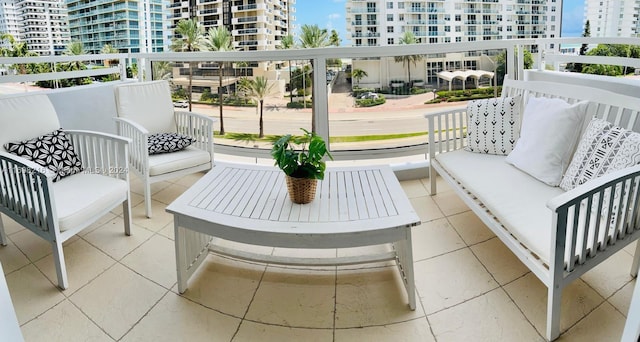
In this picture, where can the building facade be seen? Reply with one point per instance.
(613, 18)
(43, 26)
(383, 22)
(9, 20)
(128, 26)
(254, 24)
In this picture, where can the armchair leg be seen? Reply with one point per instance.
(147, 198)
(61, 268)
(3, 235)
(126, 212)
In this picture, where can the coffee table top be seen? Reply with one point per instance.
(255, 198)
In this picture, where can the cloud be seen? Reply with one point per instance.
(332, 17)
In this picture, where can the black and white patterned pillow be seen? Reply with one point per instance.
(603, 148)
(53, 150)
(168, 142)
(493, 125)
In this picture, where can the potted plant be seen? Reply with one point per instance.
(302, 167)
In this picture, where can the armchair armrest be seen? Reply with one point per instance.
(138, 150)
(197, 126)
(24, 191)
(102, 153)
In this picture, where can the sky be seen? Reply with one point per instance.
(330, 14)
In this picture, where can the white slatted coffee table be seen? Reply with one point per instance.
(354, 206)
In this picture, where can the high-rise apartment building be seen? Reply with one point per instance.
(43, 25)
(126, 25)
(382, 22)
(9, 20)
(613, 18)
(254, 24)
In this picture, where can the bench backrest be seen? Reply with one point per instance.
(621, 110)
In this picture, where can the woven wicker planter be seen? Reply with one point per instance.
(301, 190)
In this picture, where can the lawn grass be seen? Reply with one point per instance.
(358, 138)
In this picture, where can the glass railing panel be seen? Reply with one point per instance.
(244, 86)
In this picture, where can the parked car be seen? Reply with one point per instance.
(369, 95)
(181, 104)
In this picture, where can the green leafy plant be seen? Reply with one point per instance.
(306, 162)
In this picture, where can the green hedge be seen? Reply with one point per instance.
(464, 95)
(299, 104)
(370, 102)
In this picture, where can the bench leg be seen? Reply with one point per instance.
(432, 180)
(554, 298)
(126, 213)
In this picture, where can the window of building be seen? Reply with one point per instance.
(447, 17)
(390, 41)
(458, 39)
(458, 5)
(372, 42)
(447, 39)
(389, 17)
(447, 28)
(458, 17)
(433, 40)
(400, 17)
(401, 5)
(458, 28)
(389, 5)
(371, 7)
(389, 29)
(472, 39)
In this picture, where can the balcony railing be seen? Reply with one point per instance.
(329, 120)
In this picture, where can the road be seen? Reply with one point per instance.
(396, 116)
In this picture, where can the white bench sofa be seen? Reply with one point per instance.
(543, 225)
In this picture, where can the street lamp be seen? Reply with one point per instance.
(434, 93)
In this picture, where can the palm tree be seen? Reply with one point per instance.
(219, 39)
(258, 89)
(358, 74)
(75, 48)
(287, 43)
(17, 49)
(109, 49)
(408, 38)
(161, 70)
(312, 36)
(190, 38)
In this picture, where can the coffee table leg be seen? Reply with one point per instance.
(405, 264)
(181, 262)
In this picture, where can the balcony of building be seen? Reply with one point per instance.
(469, 285)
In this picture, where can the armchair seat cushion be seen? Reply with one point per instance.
(169, 162)
(83, 197)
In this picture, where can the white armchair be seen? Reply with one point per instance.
(146, 108)
(58, 210)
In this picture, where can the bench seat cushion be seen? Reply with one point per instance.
(82, 197)
(168, 162)
(519, 199)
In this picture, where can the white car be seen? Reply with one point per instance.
(181, 104)
(369, 95)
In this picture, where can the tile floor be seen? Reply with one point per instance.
(470, 287)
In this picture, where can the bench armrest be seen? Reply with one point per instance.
(593, 216)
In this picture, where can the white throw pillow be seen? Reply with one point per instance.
(492, 125)
(603, 148)
(548, 136)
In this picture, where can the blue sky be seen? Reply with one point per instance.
(330, 14)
